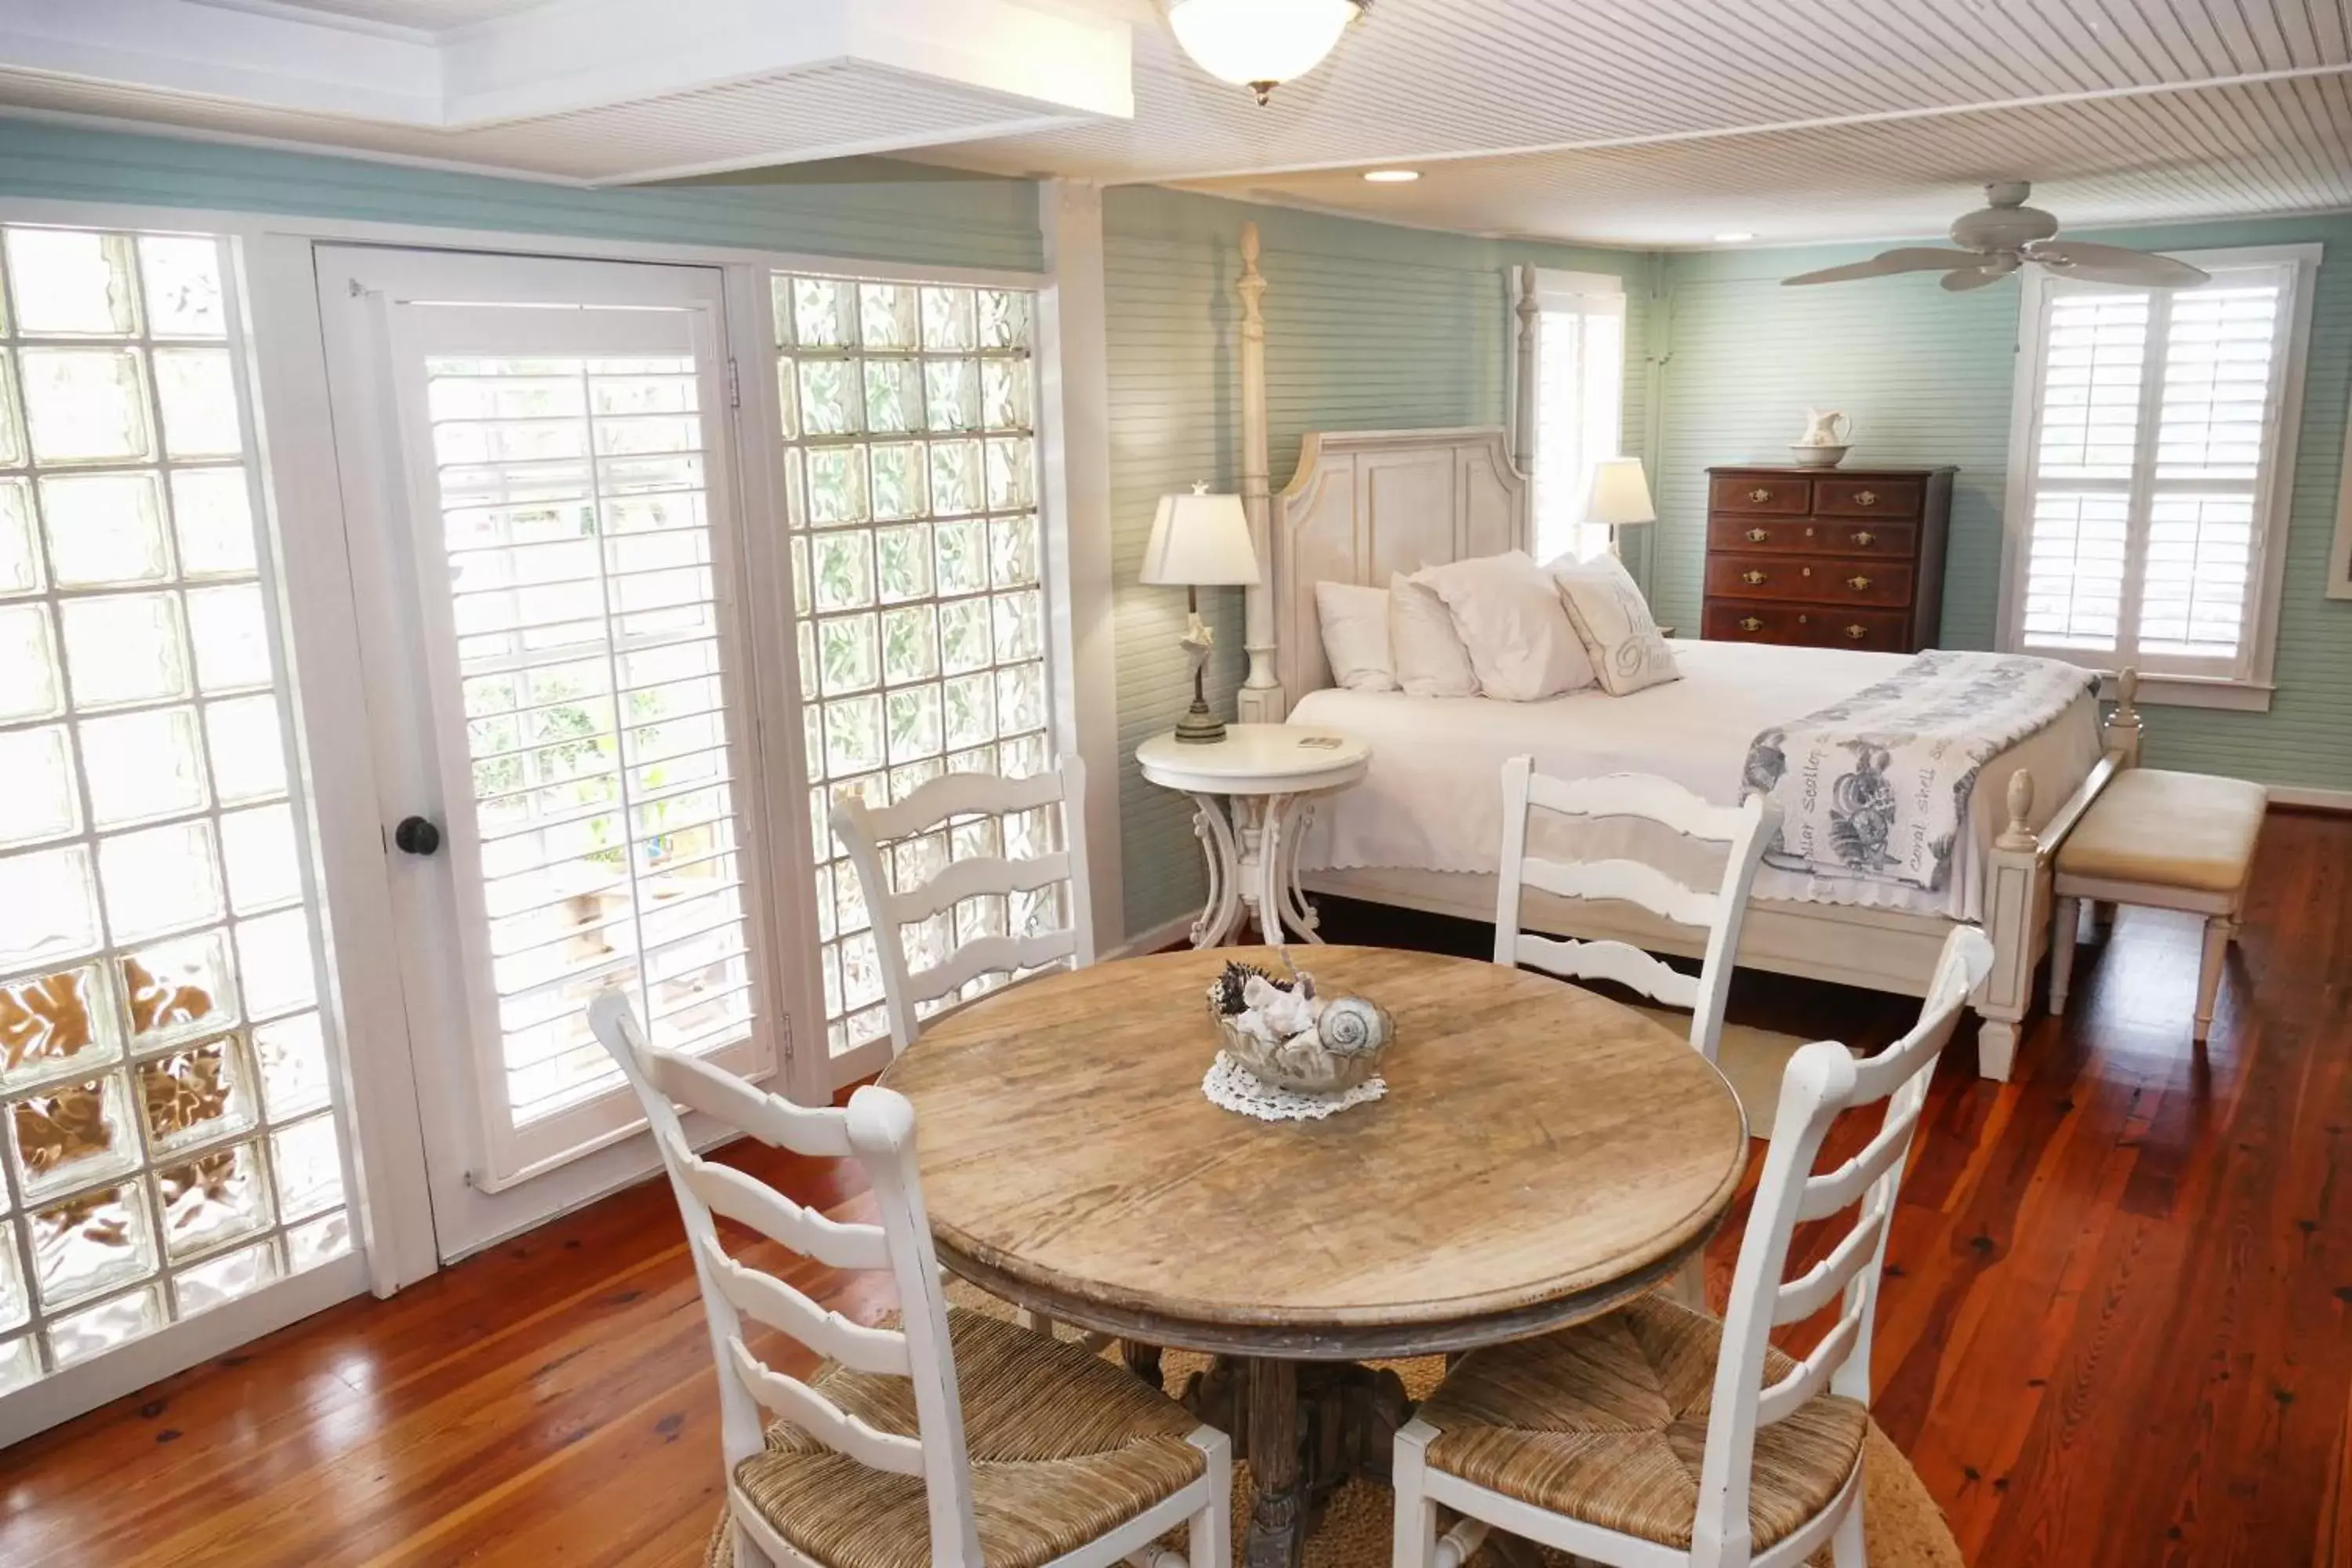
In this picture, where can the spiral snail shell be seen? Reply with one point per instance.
(1351, 1025)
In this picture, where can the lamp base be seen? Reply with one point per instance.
(1199, 727)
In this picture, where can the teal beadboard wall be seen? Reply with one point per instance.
(1369, 327)
(1927, 376)
(905, 213)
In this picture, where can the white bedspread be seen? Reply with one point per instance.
(1432, 798)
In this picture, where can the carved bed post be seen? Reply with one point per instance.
(2120, 730)
(1260, 700)
(1523, 408)
(2015, 894)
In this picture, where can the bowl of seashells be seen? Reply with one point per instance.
(1279, 1031)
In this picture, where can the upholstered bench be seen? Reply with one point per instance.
(2165, 841)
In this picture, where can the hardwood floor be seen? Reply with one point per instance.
(2117, 1330)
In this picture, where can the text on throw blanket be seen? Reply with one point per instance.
(1878, 785)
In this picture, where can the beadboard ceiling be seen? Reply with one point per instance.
(1637, 122)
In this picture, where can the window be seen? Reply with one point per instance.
(2148, 506)
(909, 418)
(1579, 389)
(168, 1143)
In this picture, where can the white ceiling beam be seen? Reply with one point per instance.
(175, 46)
(572, 55)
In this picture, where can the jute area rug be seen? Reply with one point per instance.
(1902, 1525)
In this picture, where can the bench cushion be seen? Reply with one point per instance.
(2193, 831)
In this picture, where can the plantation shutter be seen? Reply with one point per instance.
(2156, 422)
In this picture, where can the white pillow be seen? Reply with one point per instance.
(1609, 614)
(1355, 623)
(1424, 650)
(1509, 614)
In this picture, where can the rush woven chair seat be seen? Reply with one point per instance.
(1659, 1437)
(1064, 1446)
(1607, 1423)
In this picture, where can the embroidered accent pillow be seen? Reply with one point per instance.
(1614, 621)
(1508, 611)
(1355, 625)
(1425, 650)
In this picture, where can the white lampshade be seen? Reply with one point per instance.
(1619, 494)
(1199, 540)
(1260, 43)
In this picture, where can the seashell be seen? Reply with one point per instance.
(1352, 1026)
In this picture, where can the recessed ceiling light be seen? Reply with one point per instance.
(1734, 237)
(1393, 176)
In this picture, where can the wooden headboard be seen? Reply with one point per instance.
(1367, 503)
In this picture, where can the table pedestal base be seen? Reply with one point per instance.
(1306, 1428)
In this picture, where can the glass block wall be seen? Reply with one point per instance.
(166, 1143)
(908, 423)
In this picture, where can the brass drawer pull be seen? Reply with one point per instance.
(1857, 633)
(1858, 583)
(1751, 576)
(1750, 624)
(1865, 538)
(1760, 495)
(1758, 535)
(1865, 498)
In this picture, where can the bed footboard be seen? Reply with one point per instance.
(2019, 873)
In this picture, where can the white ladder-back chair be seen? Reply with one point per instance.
(950, 900)
(1743, 830)
(953, 1440)
(1578, 1439)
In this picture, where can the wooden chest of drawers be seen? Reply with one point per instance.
(1826, 557)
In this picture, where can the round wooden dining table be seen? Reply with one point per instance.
(1542, 1154)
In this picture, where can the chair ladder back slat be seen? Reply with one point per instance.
(1812, 1375)
(1658, 800)
(771, 1118)
(1633, 882)
(822, 1420)
(749, 1201)
(1602, 959)
(971, 878)
(762, 1296)
(985, 954)
(1800, 1297)
(957, 795)
(1825, 1194)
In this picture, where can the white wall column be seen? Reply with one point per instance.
(1074, 448)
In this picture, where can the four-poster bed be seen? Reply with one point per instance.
(1362, 505)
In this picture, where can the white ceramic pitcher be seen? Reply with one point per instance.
(1826, 427)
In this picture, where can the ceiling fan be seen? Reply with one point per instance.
(1998, 239)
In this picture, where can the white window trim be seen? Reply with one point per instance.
(2340, 558)
(2272, 508)
(1590, 293)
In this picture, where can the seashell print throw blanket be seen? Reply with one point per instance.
(1877, 785)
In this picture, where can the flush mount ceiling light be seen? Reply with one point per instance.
(1261, 44)
(1733, 239)
(1392, 176)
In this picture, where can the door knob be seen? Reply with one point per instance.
(415, 835)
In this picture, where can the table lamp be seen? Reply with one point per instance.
(1199, 540)
(1619, 495)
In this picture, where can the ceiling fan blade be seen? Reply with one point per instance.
(1886, 263)
(1975, 277)
(2115, 264)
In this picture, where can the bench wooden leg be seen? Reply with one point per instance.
(2218, 929)
(2065, 923)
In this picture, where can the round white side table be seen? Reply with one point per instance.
(1252, 794)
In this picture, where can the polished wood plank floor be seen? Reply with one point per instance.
(2117, 1330)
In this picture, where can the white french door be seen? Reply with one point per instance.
(536, 462)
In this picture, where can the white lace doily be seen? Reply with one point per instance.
(1236, 1087)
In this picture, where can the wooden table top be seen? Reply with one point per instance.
(1542, 1155)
